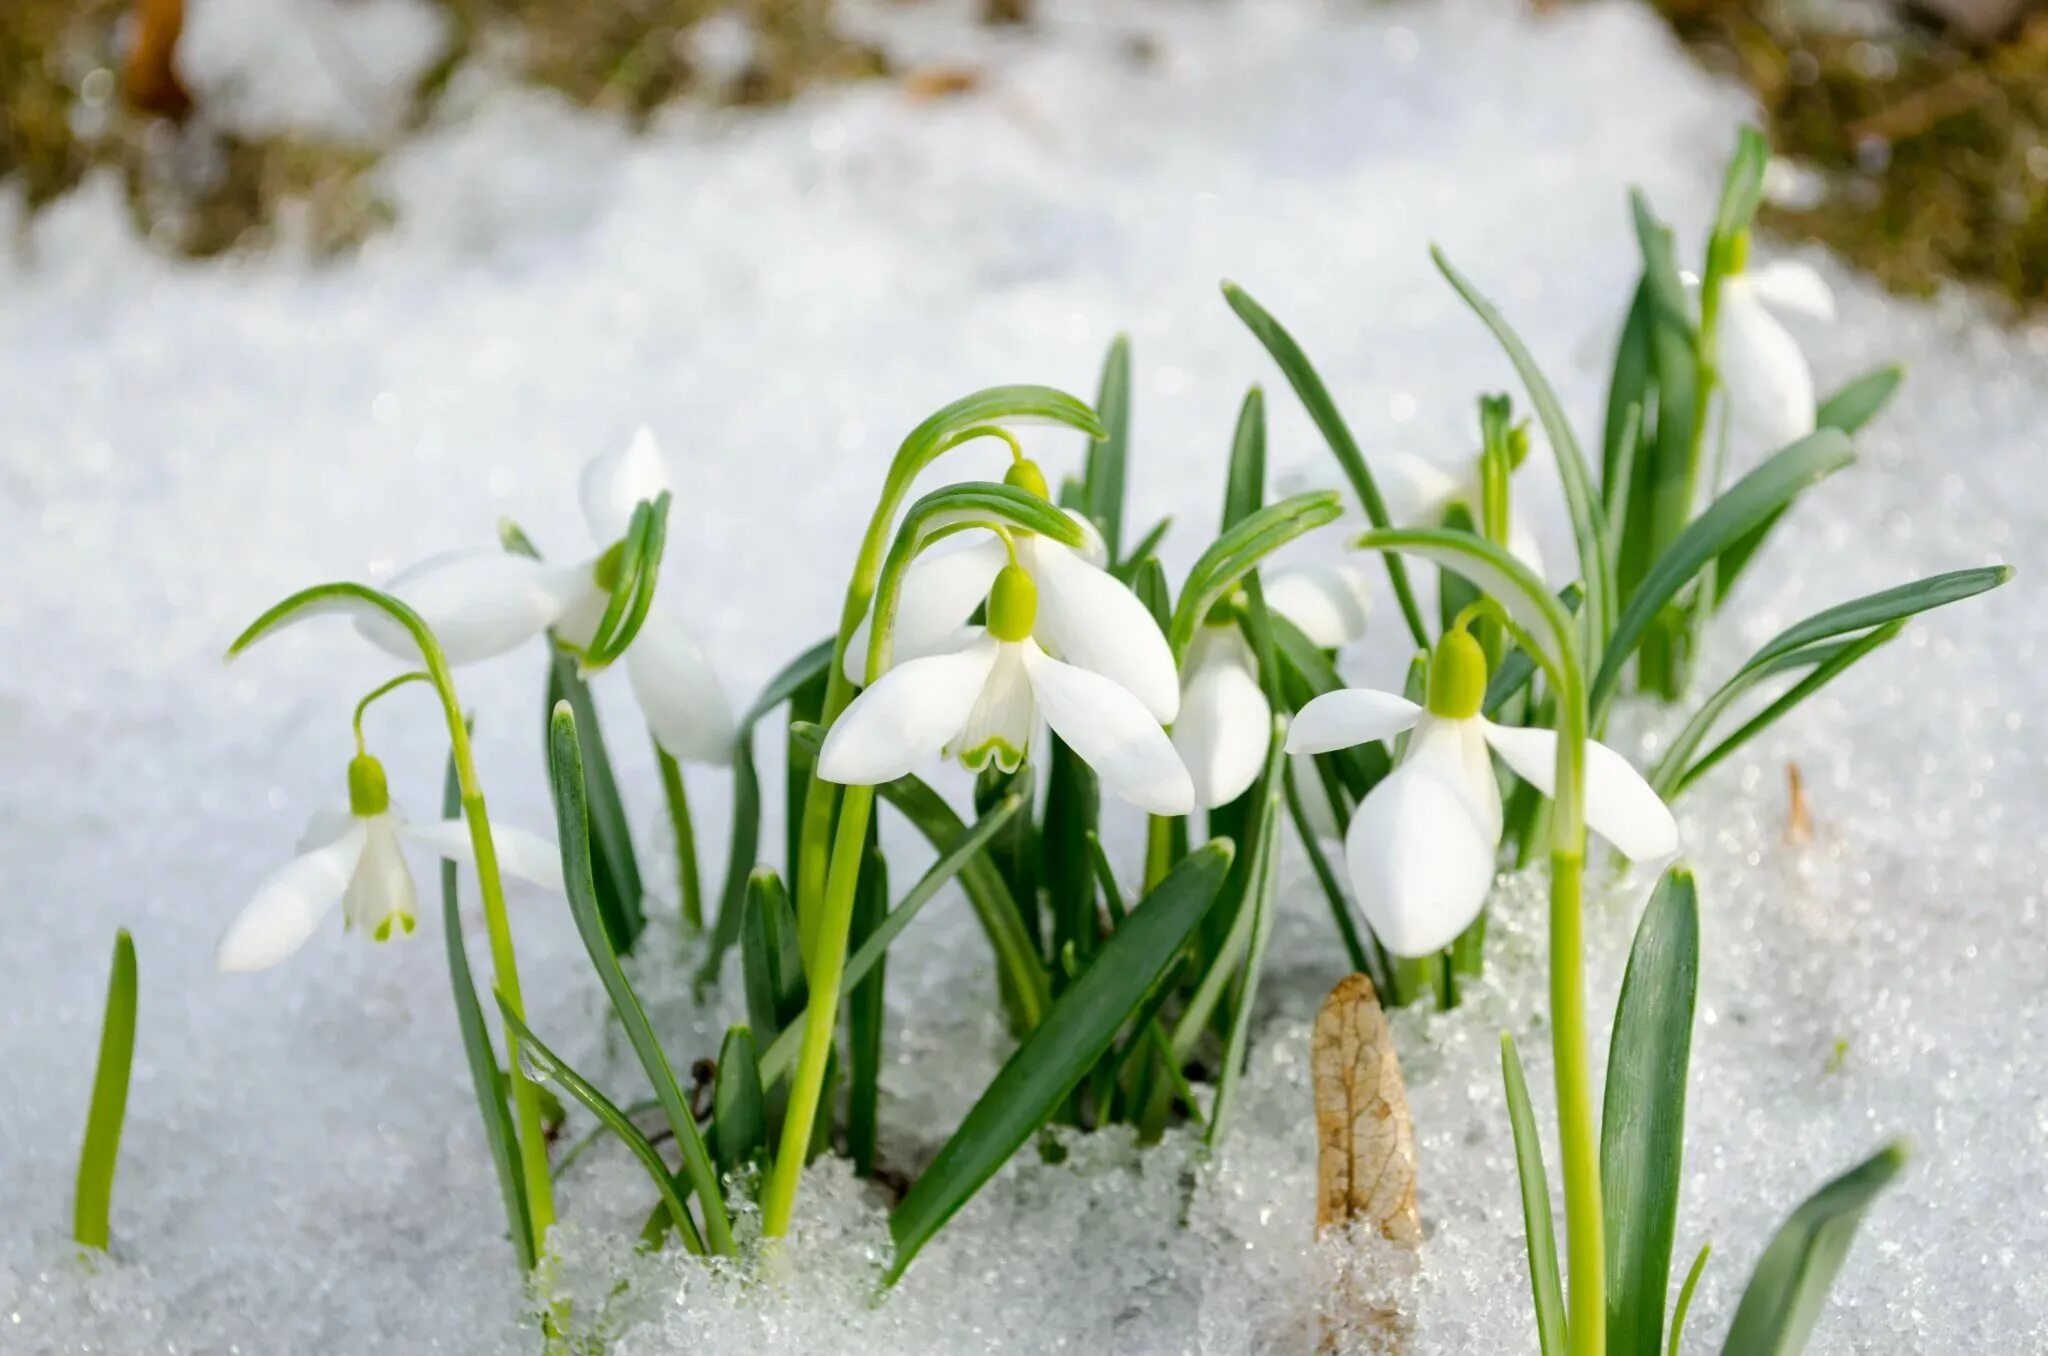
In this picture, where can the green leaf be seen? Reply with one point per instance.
(977, 414)
(1665, 480)
(1073, 804)
(1858, 402)
(1245, 480)
(1546, 627)
(771, 958)
(1238, 552)
(545, 1063)
(1581, 498)
(1108, 457)
(1054, 1058)
(745, 848)
(1127, 569)
(1546, 1290)
(481, 1057)
(1684, 1304)
(958, 856)
(101, 1152)
(1764, 491)
(1315, 397)
(1626, 390)
(1790, 1285)
(1642, 1126)
(1875, 609)
(739, 1117)
(573, 825)
(1743, 187)
(864, 1015)
(1261, 882)
(615, 868)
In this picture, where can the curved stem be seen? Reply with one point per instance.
(363, 706)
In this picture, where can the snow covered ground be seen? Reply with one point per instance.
(780, 296)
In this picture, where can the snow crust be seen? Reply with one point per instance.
(780, 296)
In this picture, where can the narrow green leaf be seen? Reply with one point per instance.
(1073, 804)
(771, 957)
(615, 867)
(1108, 457)
(1238, 551)
(1546, 1290)
(1789, 1287)
(1626, 390)
(689, 880)
(1262, 880)
(478, 1052)
(1743, 187)
(1127, 569)
(1315, 397)
(573, 825)
(1875, 609)
(1684, 1304)
(864, 1016)
(545, 1063)
(1053, 1059)
(1245, 480)
(1533, 609)
(1858, 402)
(739, 1117)
(1581, 498)
(1372, 965)
(1642, 1125)
(101, 1151)
(1764, 491)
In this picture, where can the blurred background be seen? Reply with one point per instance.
(1916, 126)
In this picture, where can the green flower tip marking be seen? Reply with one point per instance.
(1013, 602)
(1025, 475)
(1457, 676)
(1738, 252)
(605, 572)
(368, 793)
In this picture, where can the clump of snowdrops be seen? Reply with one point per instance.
(1022, 630)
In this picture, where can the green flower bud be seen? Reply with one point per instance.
(368, 793)
(1012, 604)
(1457, 677)
(1026, 476)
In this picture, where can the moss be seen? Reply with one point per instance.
(1934, 151)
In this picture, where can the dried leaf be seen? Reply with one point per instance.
(940, 82)
(1365, 1168)
(1798, 818)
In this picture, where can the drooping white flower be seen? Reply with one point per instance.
(1419, 493)
(354, 857)
(1225, 719)
(980, 702)
(483, 603)
(1085, 616)
(1769, 385)
(1420, 850)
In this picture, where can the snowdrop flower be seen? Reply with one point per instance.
(354, 857)
(1421, 848)
(1224, 719)
(1769, 385)
(1419, 493)
(483, 603)
(980, 702)
(1084, 615)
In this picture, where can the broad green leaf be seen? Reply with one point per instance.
(1108, 457)
(979, 413)
(1238, 551)
(101, 1151)
(1546, 1290)
(1642, 1125)
(1789, 1287)
(1582, 500)
(1315, 397)
(572, 823)
(744, 851)
(739, 1116)
(1073, 804)
(482, 1059)
(1764, 491)
(1858, 402)
(1053, 1059)
(545, 1063)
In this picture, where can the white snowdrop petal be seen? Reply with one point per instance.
(1328, 603)
(1770, 387)
(941, 589)
(328, 823)
(1112, 731)
(1002, 721)
(1225, 721)
(1348, 716)
(1315, 800)
(1416, 492)
(1091, 621)
(678, 693)
(520, 852)
(613, 484)
(910, 714)
(381, 895)
(1522, 541)
(1420, 860)
(1093, 548)
(479, 604)
(1791, 285)
(1620, 806)
(286, 908)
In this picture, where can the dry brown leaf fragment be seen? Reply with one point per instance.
(1365, 1167)
(1798, 817)
(928, 83)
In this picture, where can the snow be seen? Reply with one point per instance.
(779, 296)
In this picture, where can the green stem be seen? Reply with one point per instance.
(689, 880)
(1158, 851)
(102, 1148)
